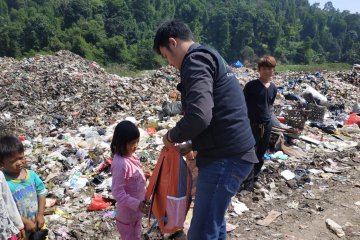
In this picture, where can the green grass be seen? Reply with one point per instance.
(123, 70)
(314, 67)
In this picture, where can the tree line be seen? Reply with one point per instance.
(121, 31)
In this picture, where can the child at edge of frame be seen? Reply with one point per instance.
(26, 187)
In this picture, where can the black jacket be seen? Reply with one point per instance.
(215, 113)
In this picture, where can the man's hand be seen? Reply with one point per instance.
(40, 221)
(184, 148)
(167, 141)
(29, 225)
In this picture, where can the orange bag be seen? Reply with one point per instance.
(353, 118)
(169, 191)
(98, 203)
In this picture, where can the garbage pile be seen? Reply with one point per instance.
(44, 93)
(353, 77)
(314, 154)
(75, 167)
(64, 110)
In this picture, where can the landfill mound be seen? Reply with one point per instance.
(64, 109)
(45, 92)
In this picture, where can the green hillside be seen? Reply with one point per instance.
(121, 31)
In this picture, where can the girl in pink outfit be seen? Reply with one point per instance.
(128, 181)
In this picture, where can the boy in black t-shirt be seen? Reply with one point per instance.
(260, 95)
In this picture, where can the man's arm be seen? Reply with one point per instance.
(199, 79)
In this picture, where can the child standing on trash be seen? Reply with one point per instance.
(128, 181)
(11, 226)
(25, 185)
(260, 95)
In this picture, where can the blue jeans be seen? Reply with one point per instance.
(217, 183)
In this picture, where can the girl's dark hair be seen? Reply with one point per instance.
(9, 145)
(125, 132)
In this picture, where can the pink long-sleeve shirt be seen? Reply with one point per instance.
(128, 187)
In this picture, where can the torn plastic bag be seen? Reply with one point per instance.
(313, 96)
(172, 108)
(294, 97)
(327, 128)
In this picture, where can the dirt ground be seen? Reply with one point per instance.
(304, 210)
(303, 205)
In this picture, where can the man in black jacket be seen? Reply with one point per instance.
(215, 120)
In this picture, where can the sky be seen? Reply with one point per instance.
(352, 5)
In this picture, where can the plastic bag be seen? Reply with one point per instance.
(353, 118)
(98, 203)
(171, 108)
(294, 97)
(356, 108)
(313, 96)
(39, 235)
(327, 128)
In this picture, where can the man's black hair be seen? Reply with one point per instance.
(125, 132)
(171, 29)
(9, 145)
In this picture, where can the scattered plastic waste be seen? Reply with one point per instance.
(288, 175)
(64, 109)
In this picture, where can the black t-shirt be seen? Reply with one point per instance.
(259, 100)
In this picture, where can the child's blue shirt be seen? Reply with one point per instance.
(26, 192)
